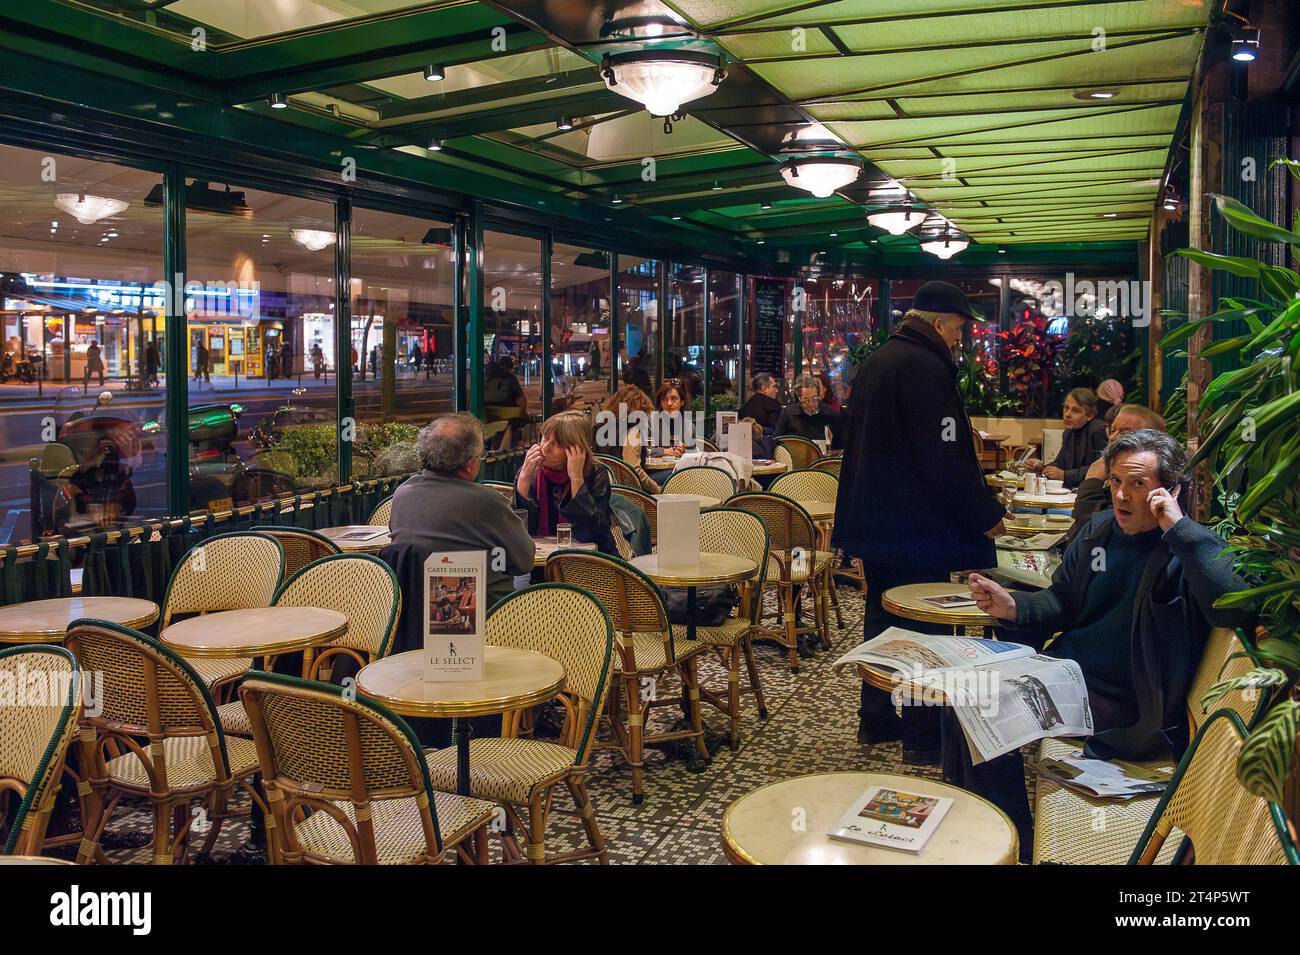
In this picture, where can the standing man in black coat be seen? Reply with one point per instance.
(913, 504)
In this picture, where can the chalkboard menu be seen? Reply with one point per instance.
(769, 325)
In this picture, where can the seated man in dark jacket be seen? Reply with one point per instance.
(1082, 443)
(1133, 603)
(1093, 493)
(809, 418)
(762, 405)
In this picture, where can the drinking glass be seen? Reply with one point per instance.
(563, 535)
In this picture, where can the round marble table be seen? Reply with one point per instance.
(766, 468)
(1057, 502)
(257, 632)
(46, 621)
(546, 546)
(758, 829)
(710, 569)
(909, 601)
(513, 679)
(704, 499)
(365, 544)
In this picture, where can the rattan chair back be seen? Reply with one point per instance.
(731, 530)
(781, 455)
(504, 488)
(806, 485)
(318, 747)
(362, 588)
(619, 472)
(829, 465)
(226, 572)
(1225, 824)
(1224, 658)
(300, 546)
(788, 525)
(802, 451)
(648, 505)
(148, 691)
(569, 625)
(633, 601)
(702, 479)
(707, 445)
(382, 513)
(37, 731)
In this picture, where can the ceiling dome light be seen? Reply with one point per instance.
(1245, 45)
(279, 101)
(945, 246)
(821, 175)
(88, 209)
(662, 80)
(433, 73)
(896, 221)
(312, 239)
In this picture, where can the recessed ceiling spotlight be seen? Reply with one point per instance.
(1170, 201)
(677, 218)
(759, 241)
(564, 122)
(765, 205)
(278, 101)
(1002, 250)
(1104, 92)
(834, 234)
(435, 145)
(716, 185)
(433, 73)
(1110, 215)
(1245, 45)
(617, 200)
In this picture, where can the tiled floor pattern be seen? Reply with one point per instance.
(811, 727)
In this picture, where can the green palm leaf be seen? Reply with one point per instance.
(1269, 751)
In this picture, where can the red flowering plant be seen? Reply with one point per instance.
(1028, 353)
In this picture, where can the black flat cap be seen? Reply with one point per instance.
(944, 297)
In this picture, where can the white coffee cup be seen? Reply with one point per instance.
(1055, 487)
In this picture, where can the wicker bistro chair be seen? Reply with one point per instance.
(828, 464)
(35, 737)
(504, 488)
(347, 781)
(362, 588)
(781, 455)
(647, 650)
(1073, 827)
(619, 472)
(1224, 823)
(382, 513)
(226, 572)
(734, 531)
(802, 451)
(647, 504)
(701, 479)
(300, 546)
(790, 532)
(811, 484)
(569, 625)
(159, 715)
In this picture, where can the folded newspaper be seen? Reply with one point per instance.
(1004, 695)
(1034, 542)
(1110, 779)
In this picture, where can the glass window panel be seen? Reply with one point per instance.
(684, 350)
(581, 346)
(81, 315)
(638, 315)
(266, 265)
(403, 275)
(839, 313)
(724, 348)
(512, 335)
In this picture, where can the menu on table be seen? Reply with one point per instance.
(455, 595)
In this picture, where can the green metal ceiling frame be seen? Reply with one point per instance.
(968, 103)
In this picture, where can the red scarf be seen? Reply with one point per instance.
(547, 479)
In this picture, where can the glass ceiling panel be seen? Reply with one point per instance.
(489, 72)
(629, 138)
(249, 19)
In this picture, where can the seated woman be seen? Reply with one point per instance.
(1082, 443)
(561, 481)
(618, 432)
(671, 400)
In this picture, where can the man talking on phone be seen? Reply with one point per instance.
(1133, 602)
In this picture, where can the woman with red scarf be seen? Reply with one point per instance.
(561, 482)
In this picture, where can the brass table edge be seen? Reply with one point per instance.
(56, 636)
(462, 709)
(262, 650)
(938, 616)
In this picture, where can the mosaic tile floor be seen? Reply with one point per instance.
(811, 727)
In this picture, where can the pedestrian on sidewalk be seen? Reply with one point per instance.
(94, 364)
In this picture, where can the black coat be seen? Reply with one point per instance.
(763, 409)
(1172, 616)
(587, 512)
(1079, 448)
(912, 496)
